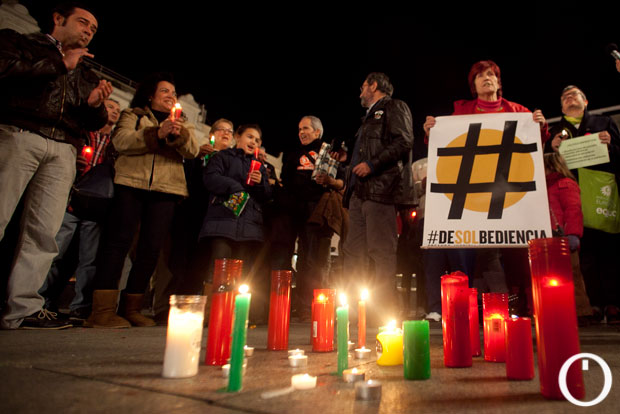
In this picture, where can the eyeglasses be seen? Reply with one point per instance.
(224, 130)
(572, 94)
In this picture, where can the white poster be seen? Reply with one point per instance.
(485, 182)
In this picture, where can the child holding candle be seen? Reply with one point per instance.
(567, 221)
(226, 233)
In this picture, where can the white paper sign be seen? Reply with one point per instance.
(584, 151)
(486, 182)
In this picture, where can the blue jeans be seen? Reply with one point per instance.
(88, 232)
(42, 170)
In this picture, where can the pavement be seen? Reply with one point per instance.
(83, 370)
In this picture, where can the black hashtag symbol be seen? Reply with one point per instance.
(500, 185)
(432, 237)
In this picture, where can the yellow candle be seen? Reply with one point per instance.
(390, 346)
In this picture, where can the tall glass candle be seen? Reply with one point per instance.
(519, 349)
(226, 275)
(416, 350)
(342, 316)
(361, 319)
(494, 313)
(390, 345)
(455, 320)
(322, 334)
(239, 335)
(279, 310)
(474, 324)
(184, 336)
(557, 334)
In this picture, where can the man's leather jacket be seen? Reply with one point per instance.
(386, 141)
(38, 94)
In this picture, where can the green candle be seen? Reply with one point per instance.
(342, 318)
(416, 349)
(239, 333)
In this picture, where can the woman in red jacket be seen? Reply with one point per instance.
(567, 221)
(485, 84)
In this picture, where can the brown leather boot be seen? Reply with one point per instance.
(133, 308)
(104, 311)
(209, 294)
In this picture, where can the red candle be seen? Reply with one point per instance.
(557, 335)
(455, 320)
(322, 335)
(279, 310)
(494, 313)
(474, 324)
(87, 153)
(175, 112)
(519, 349)
(254, 166)
(226, 274)
(361, 320)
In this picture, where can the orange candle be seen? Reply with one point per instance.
(361, 319)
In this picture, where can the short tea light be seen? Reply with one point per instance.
(353, 375)
(368, 390)
(303, 382)
(362, 353)
(296, 352)
(226, 368)
(248, 350)
(298, 361)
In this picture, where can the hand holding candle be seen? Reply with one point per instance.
(254, 175)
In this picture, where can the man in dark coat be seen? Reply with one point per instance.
(598, 254)
(47, 100)
(380, 179)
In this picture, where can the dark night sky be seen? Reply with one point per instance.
(272, 70)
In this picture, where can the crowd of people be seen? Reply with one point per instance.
(101, 189)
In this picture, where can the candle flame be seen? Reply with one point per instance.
(343, 299)
(244, 289)
(88, 150)
(321, 298)
(392, 324)
(365, 294)
(553, 282)
(354, 370)
(177, 106)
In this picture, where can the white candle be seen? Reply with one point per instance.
(303, 382)
(297, 361)
(361, 353)
(183, 340)
(368, 390)
(353, 375)
(226, 369)
(296, 352)
(249, 351)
